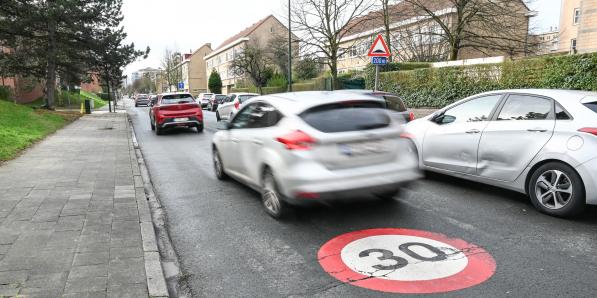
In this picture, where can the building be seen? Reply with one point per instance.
(418, 37)
(547, 42)
(193, 70)
(578, 26)
(261, 33)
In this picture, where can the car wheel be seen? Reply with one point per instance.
(556, 189)
(136, 105)
(208, 107)
(388, 195)
(218, 166)
(271, 198)
(158, 130)
(218, 116)
(152, 125)
(199, 128)
(230, 117)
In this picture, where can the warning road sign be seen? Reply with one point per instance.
(379, 48)
(405, 261)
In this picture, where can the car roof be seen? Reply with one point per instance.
(297, 102)
(243, 93)
(174, 93)
(558, 94)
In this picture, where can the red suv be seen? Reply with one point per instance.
(175, 110)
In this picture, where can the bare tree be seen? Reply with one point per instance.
(324, 23)
(482, 25)
(170, 61)
(255, 63)
(420, 42)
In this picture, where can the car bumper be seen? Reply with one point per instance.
(192, 122)
(317, 184)
(142, 102)
(589, 176)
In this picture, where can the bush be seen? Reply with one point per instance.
(307, 68)
(215, 82)
(438, 87)
(277, 80)
(4, 92)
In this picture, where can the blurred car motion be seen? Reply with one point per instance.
(234, 102)
(175, 110)
(393, 102)
(312, 146)
(539, 142)
(141, 99)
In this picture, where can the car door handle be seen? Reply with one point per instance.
(473, 131)
(235, 140)
(537, 130)
(257, 142)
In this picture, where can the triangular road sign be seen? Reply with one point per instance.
(379, 48)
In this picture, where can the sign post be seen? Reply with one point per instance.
(379, 54)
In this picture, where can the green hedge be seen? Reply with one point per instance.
(437, 87)
(4, 92)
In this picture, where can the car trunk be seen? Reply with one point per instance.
(178, 110)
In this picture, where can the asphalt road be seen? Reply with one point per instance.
(229, 247)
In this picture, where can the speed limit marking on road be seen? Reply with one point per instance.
(405, 261)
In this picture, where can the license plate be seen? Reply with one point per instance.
(363, 148)
(181, 119)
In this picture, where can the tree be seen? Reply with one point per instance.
(482, 25)
(254, 62)
(172, 73)
(278, 52)
(324, 23)
(306, 68)
(215, 82)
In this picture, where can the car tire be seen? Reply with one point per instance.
(556, 189)
(199, 128)
(271, 198)
(218, 166)
(388, 195)
(136, 105)
(218, 116)
(158, 130)
(152, 125)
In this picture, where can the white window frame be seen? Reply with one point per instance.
(576, 16)
(573, 46)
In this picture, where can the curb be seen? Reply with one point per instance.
(156, 280)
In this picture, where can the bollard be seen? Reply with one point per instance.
(87, 106)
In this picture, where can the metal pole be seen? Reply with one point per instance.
(289, 50)
(376, 78)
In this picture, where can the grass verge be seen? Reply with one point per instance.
(21, 126)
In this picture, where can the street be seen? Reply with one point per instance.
(228, 246)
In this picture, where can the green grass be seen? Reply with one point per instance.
(98, 102)
(62, 100)
(21, 126)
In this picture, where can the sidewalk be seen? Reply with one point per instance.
(71, 212)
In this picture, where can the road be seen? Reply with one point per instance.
(229, 247)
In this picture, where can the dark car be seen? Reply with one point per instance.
(175, 110)
(141, 99)
(393, 102)
(215, 100)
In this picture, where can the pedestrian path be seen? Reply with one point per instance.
(71, 211)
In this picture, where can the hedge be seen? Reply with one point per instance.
(437, 87)
(4, 92)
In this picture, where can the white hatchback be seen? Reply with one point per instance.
(311, 146)
(232, 105)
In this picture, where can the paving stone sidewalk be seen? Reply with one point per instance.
(70, 213)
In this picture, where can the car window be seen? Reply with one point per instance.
(592, 106)
(394, 103)
(526, 107)
(243, 98)
(243, 117)
(264, 115)
(220, 97)
(475, 110)
(349, 116)
(561, 114)
(231, 98)
(177, 99)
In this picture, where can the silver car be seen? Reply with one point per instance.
(542, 143)
(232, 105)
(303, 147)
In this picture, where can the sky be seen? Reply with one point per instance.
(186, 25)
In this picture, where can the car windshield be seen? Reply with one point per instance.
(220, 97)
(592, 106)
(243, 98)
(177, 99)
(206, 96)
(347, 116)
(142, 96)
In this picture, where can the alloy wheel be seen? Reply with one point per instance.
(554, 189)
(271, 199)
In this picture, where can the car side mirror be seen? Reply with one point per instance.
(224, 125)
(446, 119)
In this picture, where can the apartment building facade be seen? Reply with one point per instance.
(193, 70)
(220, 59)
(578, 26)
(415, 36)
(547, 42)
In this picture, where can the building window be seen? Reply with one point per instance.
(573, 46)
(576, 17)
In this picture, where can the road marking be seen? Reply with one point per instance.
(405, 261)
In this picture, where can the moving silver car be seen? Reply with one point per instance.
(302, 147)
(539, 142)
(232, 105)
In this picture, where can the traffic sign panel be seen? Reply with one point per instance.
(181, 85)
(379, 48)
(405, 261)
(379, 60)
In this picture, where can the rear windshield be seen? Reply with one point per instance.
(220, 97)
(394, 103)
(177, 99)
(592, 106)
(348, 116)
(243, 98)
(207, 95)
(142, 96)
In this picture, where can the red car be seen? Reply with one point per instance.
(175, 110)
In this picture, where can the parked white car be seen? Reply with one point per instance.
(304, 147)
(204, 99)
(232, 105)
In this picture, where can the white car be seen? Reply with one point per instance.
(204, 99)
(303, 147)
(232, 105)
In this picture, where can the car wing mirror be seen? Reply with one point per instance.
(224, 125)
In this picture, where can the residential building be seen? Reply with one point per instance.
(547, 42)
(578, 26)
(193, 70)
(260, 33)
(418, 37)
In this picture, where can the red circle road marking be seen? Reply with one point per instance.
(480, 267)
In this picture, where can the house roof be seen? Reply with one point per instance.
(246, 32)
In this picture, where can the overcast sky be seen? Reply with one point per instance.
(188, 24)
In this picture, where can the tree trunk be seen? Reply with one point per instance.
(334, 72)
(51, 66)
(454, 50)
(109, 94)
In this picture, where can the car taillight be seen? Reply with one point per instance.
(236, 104)
(296, 140)
(411, 116)
(591, 130)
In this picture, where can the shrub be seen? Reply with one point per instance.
(215, 82)
(277, 80)
(4, 92)
(307, 68)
